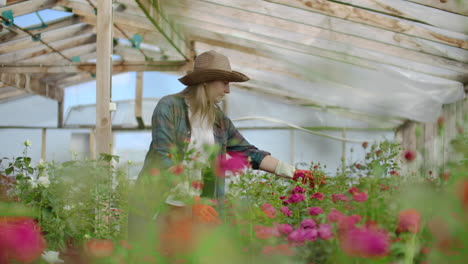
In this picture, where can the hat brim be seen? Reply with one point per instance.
(208, 75)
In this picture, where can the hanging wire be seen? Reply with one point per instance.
(278, 121)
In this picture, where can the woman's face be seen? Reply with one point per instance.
(217, 90)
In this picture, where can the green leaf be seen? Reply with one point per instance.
(9, 170)
(27, 160)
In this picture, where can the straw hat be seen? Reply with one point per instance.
(212, 66)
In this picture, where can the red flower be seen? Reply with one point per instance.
(378, 152)
(236, 162)
(20, 240)
(440, 121)
(339, 197)
(99, 247)
(384, 187)
(197, 185)
(358, 166)
(364, 144)
(393, 172)
(409, 155)
(409, 220)
(177, 169)
(353, 190)
(318, 196)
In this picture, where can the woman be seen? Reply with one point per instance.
(194, 116)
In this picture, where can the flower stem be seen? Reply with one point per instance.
(410, 248)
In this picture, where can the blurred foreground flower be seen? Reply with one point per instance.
(51, 257)
(99, 247)
(409, 220)
(20, 240)
(233, 162)
(365, 242)
(281, 249)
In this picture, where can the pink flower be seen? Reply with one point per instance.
(409, 220)
(297, 237)
(310, 234)
(237, 162)
(334, 216)
(365, 242)
(286, 211)
(20, 240)
(298, 189)
(281, 249)
(360, 197)
(308, 223)
(346, 223)
(315, 210)
(284, 228)
(263, 232)
(325, 231)
(409, 155)
(295, 198)
(318, 196)
(339, 197)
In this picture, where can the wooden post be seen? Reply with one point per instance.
(92, 144)
(43, 144)
(138, 100)
(60, 114)
(103, 77)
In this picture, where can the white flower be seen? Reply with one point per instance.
(41, 164)
(27, 143)
(68, 207)
(44, 181)
(51, 257)
(33, 183)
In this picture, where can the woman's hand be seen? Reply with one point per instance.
(205, 213)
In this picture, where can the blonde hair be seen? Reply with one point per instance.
(200, 103)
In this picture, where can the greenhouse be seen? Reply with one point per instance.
(233, 131)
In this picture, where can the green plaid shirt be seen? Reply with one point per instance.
(171, 128)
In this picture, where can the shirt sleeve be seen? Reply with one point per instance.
(163, 132)
(236, 142)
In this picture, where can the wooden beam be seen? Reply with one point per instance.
(454, 6)
(414, 12)
(49, 36)
(28, 55)
(78, 78)
(370, 18)
(92, 144)
(215, 33)
(162, 23)
(104, 78)
(31, 85)
(10, 94)
(138, 100)
(76, 67)
(51, 25)
(366, 37)
(26, 7)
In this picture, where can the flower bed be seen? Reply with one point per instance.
(369, 213)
